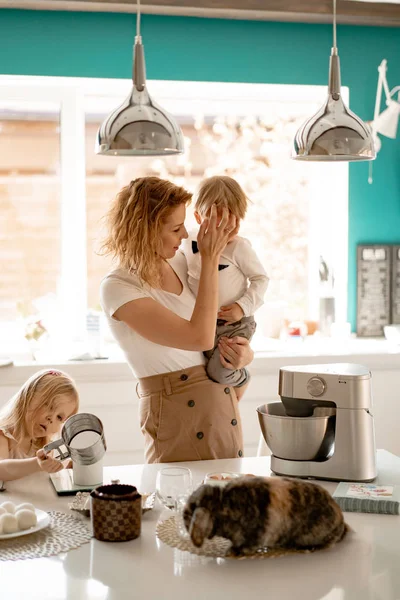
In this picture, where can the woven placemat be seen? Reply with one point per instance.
(64, 533)
(168, 532)
(79, 503)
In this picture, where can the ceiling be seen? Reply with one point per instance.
(360, 12)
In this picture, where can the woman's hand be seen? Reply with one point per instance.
(47, 463)
(235, 353)
(213, 236)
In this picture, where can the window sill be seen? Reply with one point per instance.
(374, 353)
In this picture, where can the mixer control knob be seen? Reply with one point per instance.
(316, 386)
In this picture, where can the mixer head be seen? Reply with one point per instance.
(299, 407)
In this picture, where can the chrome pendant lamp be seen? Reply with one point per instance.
(334, 133)
(139, 127)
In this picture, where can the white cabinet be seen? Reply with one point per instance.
(108, 390)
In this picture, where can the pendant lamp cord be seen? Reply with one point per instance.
(138, 19)
(334, 24)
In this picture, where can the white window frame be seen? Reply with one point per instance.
(329, 215)
(73, 277)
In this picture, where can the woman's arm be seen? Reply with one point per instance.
(160, 325)
(235, 352)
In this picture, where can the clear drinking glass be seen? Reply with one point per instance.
(172, 483)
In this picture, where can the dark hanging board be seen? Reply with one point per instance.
(395, 316)
(373, 288)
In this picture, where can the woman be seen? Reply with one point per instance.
(163, 329)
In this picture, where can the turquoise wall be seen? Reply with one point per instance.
(100, 45)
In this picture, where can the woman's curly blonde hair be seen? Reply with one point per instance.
(135, 221)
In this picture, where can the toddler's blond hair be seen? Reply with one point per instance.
(223, 191)
(47, 387)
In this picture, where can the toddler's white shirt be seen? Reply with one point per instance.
(242, 278)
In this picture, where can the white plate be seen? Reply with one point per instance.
(43, 520)
(226, 475)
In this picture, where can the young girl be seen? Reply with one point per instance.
(31, 419)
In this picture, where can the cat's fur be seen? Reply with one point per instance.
(256, 512)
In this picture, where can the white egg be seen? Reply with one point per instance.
(26, 519)
(25, 506)
(8, 523)
(8, 507)
(2, 511)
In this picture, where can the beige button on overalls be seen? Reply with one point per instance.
(185, 416)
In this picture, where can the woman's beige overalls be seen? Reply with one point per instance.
(185, 416)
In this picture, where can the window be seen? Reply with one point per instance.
(30, 204)
(55, 190)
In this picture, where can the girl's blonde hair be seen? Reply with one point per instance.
(135, 221)
(222, 191)
(45, 386)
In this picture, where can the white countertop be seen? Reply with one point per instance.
(364, 566)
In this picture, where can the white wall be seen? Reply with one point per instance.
(108, 390)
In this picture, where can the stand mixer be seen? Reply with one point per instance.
(324, 427)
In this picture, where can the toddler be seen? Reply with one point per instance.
(242, 278)
(31, 419)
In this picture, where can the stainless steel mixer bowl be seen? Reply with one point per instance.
(298, 438)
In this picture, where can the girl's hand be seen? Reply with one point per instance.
(47, 463)
(213, 237)
(235, 353)
(231, 313)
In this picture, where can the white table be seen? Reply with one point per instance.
(365, 566)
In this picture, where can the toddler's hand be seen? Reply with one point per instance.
(231, 313)
(47, 463)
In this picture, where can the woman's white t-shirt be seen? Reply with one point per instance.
(144, 357)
